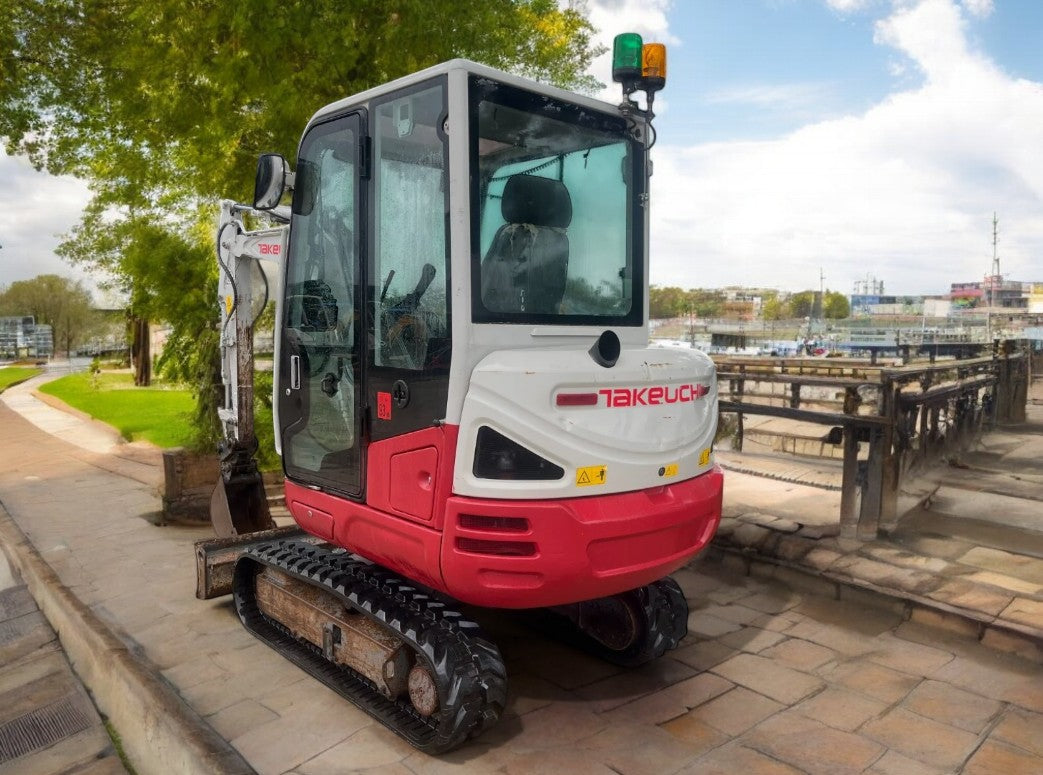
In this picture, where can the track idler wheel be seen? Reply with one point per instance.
(631, 628)
(423, 691)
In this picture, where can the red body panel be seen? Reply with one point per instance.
(583, 547)
(508, 553)
(412, 475)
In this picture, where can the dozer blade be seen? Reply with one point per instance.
(216, 557)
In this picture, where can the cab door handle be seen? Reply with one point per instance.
(295, 372)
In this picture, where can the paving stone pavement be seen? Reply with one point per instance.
(773, 678)
(48, 725)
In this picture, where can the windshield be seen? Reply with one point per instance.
(556, 233)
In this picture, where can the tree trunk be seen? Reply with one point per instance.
(141, 352)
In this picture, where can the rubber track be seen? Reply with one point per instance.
(468, 669)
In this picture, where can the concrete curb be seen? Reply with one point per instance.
(160, 733)
(990, 630)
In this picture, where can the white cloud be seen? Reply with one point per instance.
(848, 6)
(905, 191)
(932, 34)
(979, 8)
(36, 209)
(771, 95)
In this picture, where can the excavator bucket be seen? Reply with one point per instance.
(239, 504)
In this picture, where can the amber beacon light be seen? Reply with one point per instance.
(653, 67)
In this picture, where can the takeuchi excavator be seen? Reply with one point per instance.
(466, 405)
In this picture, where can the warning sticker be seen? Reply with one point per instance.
(670, 469)
(228, 305)
(383, 405)
(591, 475)
(704, 457)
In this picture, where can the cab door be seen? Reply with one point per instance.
(320, 368)
(408, 361)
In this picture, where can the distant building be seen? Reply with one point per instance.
(872, 304)
(937, 306)
(863, 303)
(21, 337)
(993, 292)
(1036, 298)
(744, 303)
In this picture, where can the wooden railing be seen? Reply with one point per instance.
(909, 416)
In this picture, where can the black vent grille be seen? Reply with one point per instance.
(498, 457)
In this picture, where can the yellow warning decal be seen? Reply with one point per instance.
(591, 475)
(228, 305)
(670, 469)
(704, 457)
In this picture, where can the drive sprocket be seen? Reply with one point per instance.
(628, 629)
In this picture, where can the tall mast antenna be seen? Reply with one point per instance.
(995, 242)
(821, 295)
(994, 275)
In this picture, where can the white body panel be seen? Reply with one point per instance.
(650, 442)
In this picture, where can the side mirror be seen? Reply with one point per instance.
(270, 182)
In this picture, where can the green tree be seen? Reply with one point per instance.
(164, 107)
(63, 304)
(835, 305)
(174, 97)
(705, 302)
(772, 308)
(801, 304)
(670, 302)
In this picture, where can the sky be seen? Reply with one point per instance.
(797, 139)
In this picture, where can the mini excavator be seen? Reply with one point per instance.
(465, 403)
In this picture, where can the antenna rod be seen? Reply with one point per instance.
(994, 276)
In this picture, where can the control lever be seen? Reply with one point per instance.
(412, 299)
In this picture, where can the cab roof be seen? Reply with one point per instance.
(471, 68)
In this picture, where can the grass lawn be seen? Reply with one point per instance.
(157, 414)
(10, 375)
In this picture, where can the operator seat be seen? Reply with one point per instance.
(525, 268)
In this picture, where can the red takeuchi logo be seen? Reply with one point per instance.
(653, 396)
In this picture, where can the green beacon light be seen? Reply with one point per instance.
(626, 60)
